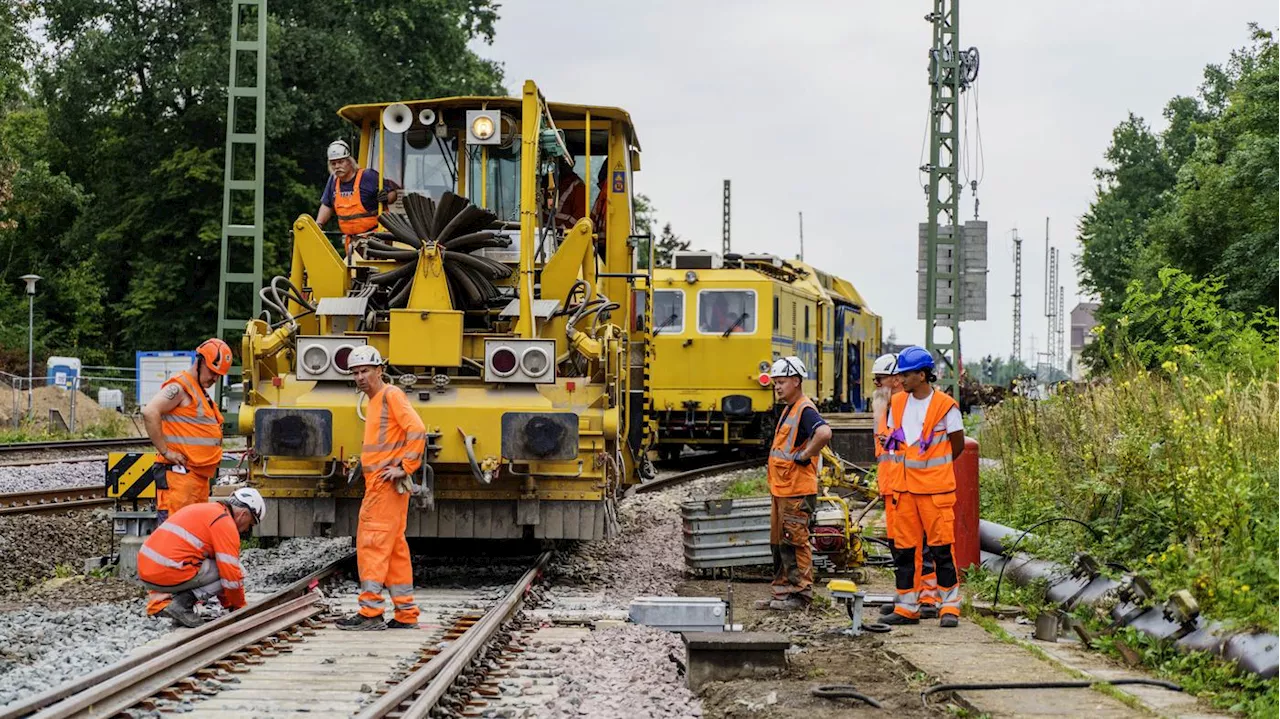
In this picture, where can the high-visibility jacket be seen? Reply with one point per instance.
(888, 469)
(194, 429)
(176, 549)
(393, 435)
(571, 204)
(788, 478)
(353, 217)
(927, 467)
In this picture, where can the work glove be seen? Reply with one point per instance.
(404, 485)
(382, 196)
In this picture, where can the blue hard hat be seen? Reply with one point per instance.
(912, 359)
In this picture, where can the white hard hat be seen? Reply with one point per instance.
(885, 365)
(339, 149)
(363, 356)
(252, 500)
(789, 367)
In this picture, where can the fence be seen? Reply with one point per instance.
(99, 404)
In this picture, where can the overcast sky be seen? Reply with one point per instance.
(820, 107)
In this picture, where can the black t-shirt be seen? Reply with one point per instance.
(809, 421)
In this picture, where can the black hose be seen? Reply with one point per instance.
(1083, 684)
(385, 278)
(879, 561)
(400, 255)
(995, 600)
(843, 691)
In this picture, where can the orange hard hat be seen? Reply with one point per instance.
(216, 354)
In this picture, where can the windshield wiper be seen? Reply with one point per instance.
(666, 322)
(742, 317)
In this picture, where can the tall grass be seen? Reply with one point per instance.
(1178, 474)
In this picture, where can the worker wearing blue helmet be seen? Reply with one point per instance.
(926, 434)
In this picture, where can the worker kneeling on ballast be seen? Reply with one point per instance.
(925, 436)
(196, 555)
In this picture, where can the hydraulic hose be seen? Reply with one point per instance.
(843, 691)
(1082, 684)
(995, 600)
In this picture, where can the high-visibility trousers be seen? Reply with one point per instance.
(382, 558)
(926, 583)
(789, 542)
(925, 524)
(184, 489)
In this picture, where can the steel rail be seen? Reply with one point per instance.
(172, 648)
(431, 681)
(53, 500)
(109, 443)
(690, 475)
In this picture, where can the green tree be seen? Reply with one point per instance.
(136, 97)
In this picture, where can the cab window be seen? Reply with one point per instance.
(727, 311)
(498, 188)
(418, 161)
(668, 312)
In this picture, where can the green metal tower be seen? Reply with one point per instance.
(951, 70)
(244, 170)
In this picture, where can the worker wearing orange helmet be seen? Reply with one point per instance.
(186, 428)
(394, 442)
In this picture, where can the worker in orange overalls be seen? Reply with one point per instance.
(889, 476)
(926, 436)
(196, 555)
(793, 487)
(571, 196)
(186, 428)
(352, 194)
(394, 442)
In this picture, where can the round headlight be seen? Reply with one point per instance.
(535, 361)
(503, 362)
(482, 127)
(315, 359)
(340, 357)
(691, 277)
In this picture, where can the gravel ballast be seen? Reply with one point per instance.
(34, 546)
(58, 475)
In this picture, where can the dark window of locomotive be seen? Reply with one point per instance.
(668, 312)
(775, 313)
(732, 311)
(806, 321)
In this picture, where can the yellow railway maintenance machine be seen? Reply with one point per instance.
(718, 325)
(518, 338)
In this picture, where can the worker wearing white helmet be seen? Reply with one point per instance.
(793, 486)
(195, 556)
(357, 211)
(394, 441)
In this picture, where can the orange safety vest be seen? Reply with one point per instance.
(353, 218)
(194, 429)
(926, 466)
(393, 434)
(788, 478)
(888, 469)
(176, 549)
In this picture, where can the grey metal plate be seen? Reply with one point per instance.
(542, 309)
(280, 432)
(534, 436)
(342, 306)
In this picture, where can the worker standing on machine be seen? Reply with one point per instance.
(352, 194)
(793, 485)
(196, 555)
(185, 427)
(926, 436)
(394, 442)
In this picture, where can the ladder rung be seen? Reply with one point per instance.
(239, 277)
(240, 230)
(242, 185)
(244, 91)
(247, 138)
(251, 45)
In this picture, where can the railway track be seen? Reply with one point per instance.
(672, 480)
(45, 501)
(26, 454)
(282, 654)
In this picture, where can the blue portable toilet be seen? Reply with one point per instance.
(63, 371)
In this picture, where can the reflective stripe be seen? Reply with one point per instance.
(371, 587)
(190, 538)
(927, 463)
(387, 447)
(411, 436)
(373, 603)
(231, 559)
(159, 558)
(357, 216)
(181, 419)
(907, 604)
(231, 585)
(385, 418)
(885, 458)
(197, 441)
(402, 590)
(950, 596)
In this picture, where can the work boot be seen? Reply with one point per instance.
(762, 604)
(790, 604)
(896, 619)
(949, 621)
(928, 611)
(361, 623)
(397, 624)
(182, 610)
(886, 609)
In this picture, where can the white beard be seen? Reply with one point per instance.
(880, 404)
